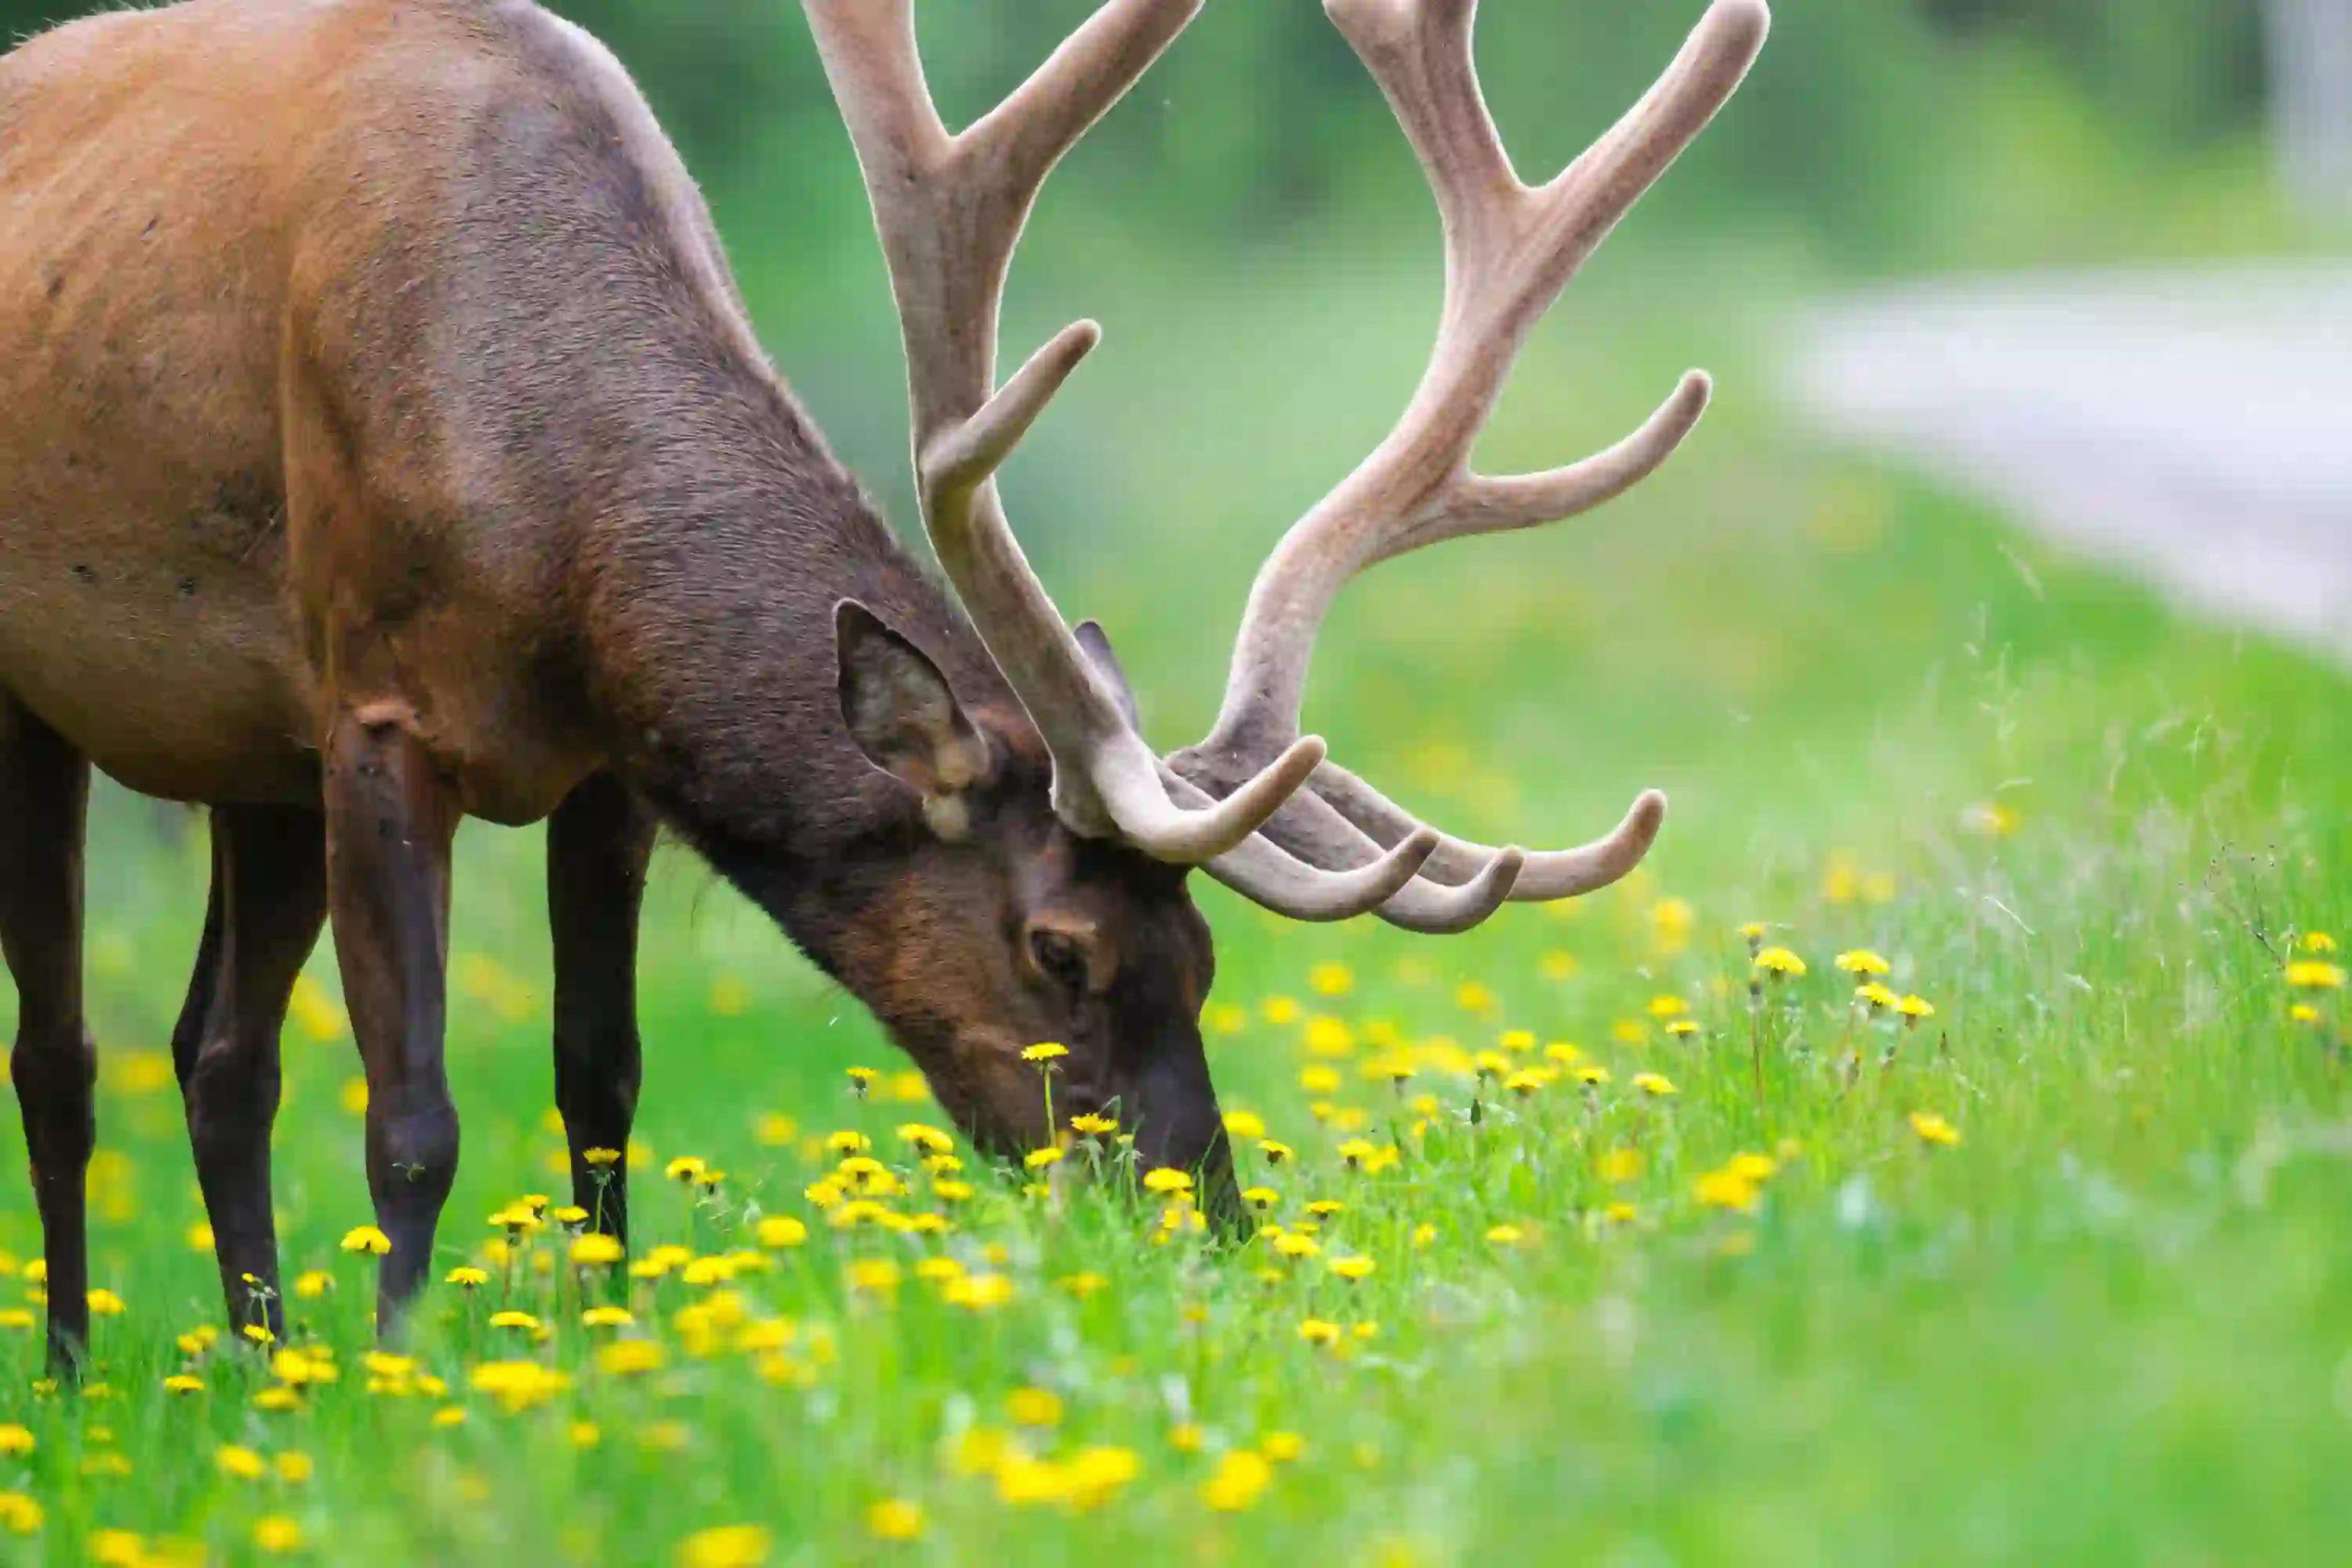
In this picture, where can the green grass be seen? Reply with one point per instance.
(2109, 1326)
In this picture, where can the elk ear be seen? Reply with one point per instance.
(904, 717)
(1095, 642)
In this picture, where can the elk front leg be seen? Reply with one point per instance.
(268, 901)
(597, 846)
(44, 791)
(390, 822)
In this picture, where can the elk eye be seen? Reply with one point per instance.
(1060, 957)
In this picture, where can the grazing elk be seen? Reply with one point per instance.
(383, 441)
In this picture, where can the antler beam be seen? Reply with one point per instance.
(950, 209)
(1510, 249)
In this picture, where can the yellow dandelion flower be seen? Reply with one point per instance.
(1862, 962)
(1166, 1179)
(1038, 1159)
(366, 1238)
(725, 1546)
(1505, 1234)
(1780, 963)
(2303, 1013)
(1682, 1027)
(2313, 974)
(627, 1358)
(1670, 919)
(1933, 1129)
(1241, 1124)
(1525, 1082)
(1725, 1189)
(2318, 941)
(1318, 1330)
(1914, 1008)
(16, 1441)
(241, 1463)
(181, 1383)
(1655, 1084)
(1877, 995)
(1668, 1007)
(511, 1319)
(1274, 1153)
(1033, 1407)
(20, 1515)
(607, 1318)
(596, 1250)
(105, 1303)
(1567, 1053)
(978, 1293)
(778, 1231)
(1329, 1038)
(1241, 1478)
(1094, 1126)
(518, 1385)
(927, 1138)
(876, 1276)
(1353, 1269)
(1044, 1051)
(894, 1519)
(294, 1467)
(685, 1168)
(468, 1277)
(275, 1535)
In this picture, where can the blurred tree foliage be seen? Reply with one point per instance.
(1861, 114)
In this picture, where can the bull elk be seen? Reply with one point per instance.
(384, 441)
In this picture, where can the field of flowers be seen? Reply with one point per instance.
(1942, 1152)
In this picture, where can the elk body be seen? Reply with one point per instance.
(383, 441)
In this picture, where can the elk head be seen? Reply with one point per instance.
(1067, 833)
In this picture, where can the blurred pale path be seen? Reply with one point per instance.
(2194, 427)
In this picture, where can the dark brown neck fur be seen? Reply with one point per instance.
(710, 532)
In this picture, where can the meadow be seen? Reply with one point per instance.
(1631, 1231)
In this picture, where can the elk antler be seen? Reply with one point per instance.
(1509, 250)
(950, 210)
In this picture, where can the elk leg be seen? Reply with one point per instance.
(268, 901)
(43, 792)
(598, 842)
(390, 823)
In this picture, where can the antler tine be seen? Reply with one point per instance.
(950, 209)
(1260, 869)
(1509, 251)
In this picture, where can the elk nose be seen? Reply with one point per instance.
(1177, 1124)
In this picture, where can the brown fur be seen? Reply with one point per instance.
(382, 435)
